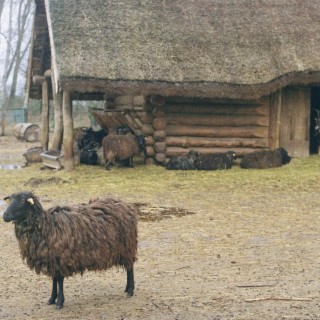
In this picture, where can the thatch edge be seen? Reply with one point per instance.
(190, 89)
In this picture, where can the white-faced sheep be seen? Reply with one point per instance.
(265, 159)
(184, 162)
(123, 148)
(216, 161)
(66, 240)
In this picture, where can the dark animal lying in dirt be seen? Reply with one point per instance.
(215, 161)
(184, 162)
(265, 159)
(66, 240)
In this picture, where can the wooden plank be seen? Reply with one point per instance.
(275, 112)
(295, 121)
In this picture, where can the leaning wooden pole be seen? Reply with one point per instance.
(45, 116)
(58, 119)
(69, 163)
(44, 125)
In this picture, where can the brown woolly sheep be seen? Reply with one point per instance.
(65, 240)
(265, 159)
(122, 148)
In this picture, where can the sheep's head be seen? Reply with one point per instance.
(19, 205)
(232, 155)
(193, 154)
(284, 155)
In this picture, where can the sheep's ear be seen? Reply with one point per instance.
(7, 200)
(30, 201)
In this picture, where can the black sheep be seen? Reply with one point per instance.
(184, 162)
(66, 240)
(215, 161)
(91, 139)
(89, 157)
(265, 159)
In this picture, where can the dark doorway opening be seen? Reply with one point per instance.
(315, 113)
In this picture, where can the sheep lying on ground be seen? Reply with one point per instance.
(265, 159)
(184, 162)
(194, 160)
(89, 157)
(215, 161)
(122, 148)
(65, 240)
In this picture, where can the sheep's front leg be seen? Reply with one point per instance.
(131, 162)
(130, 282)
(60, 300)
(54, 292)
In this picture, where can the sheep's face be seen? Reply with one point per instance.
(18, 206)
(232, 155)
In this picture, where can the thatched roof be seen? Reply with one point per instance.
(232, 48)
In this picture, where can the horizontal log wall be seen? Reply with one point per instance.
(179, 126)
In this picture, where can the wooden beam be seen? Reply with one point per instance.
(69, 163)
(216, 120)
(45, 117)
(58, 119)
(275, 112)
(226, 132)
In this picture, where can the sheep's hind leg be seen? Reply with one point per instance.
(60, 300)
(130, 282)
(54, 293)
(107, 166)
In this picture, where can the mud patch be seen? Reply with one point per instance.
(35, 182)
(152, 213)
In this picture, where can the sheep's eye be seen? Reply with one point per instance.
(7, 200)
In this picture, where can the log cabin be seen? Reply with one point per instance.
(209, 75)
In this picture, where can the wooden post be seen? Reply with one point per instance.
(45, 116)
(58, 125)
(275, 113)
(69, 163)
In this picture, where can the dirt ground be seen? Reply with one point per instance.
(236, 244)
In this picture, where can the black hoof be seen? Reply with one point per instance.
(59, 304)
(129, 292)
(51, 301)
